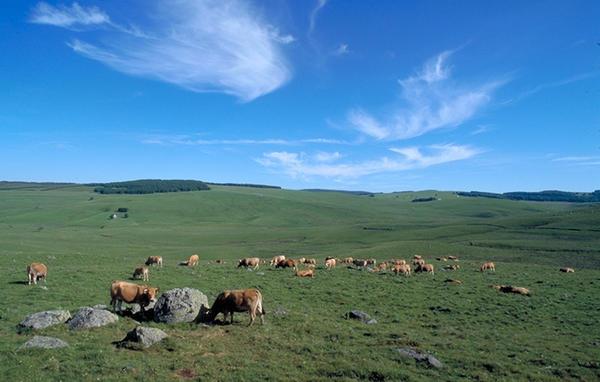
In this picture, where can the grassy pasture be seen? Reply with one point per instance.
(475, 331)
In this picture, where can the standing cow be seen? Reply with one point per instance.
(249, 262)
(488, 266)
(230, 301)
(155, 260)
(141, 272)
(35, 272)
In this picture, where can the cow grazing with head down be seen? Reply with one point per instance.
(287, 263)
(155, 260)
(310, 261)
(141, 272)
(418, 262)
(230, 301)
(348, 260)
(488, 266)
(402, 269)
(249, 262)
(330, 263)
(359, 263)
(567, 270)
(35, 272)
(427, 268)
(122, 291)
(276, 259)
(306, 273)
(193, 261)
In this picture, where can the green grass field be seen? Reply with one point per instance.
(477, 332)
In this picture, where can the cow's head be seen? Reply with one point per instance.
(151, 293)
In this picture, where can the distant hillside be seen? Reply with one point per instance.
(150, 186)
(243, 185)
(8, 185)
(360, 193)
(542, 196)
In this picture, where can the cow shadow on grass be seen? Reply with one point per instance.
(137, 315)
(20, 282)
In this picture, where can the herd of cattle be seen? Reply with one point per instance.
(250, 300)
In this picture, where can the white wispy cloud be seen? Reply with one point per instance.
(327, 157)
(201, 45)
(68, 16)
(191, 141)
(312, 19)
(591, 160)
(341, 50)
(409, 158)
(553, 84)
(432, 101)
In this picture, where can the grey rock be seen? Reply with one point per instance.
(45, 319)
(360, 316)
(419, 356)
(87, 318)
(180, 305)
(142, 337)
(42, 342)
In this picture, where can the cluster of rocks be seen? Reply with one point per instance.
(173, 306)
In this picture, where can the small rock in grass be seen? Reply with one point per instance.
(87, 318)
(360, 316)
(45, 319)
(419, 356)
(41, 342)
(142, 337)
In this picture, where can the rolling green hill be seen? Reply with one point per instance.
(475, 331)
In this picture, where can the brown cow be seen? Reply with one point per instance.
(371, 261)
(310, 261)
(230, 301)
(382, 266)
(276, 259)
(417, 257)
(36, 271)
(452, 267)
(122, 291)
(330, 263)
(249, 262)
(489, 265)
(141, 272)
(512, 289)
(348, 260)
(400, 262)
(193, 261)
(402, 268)
(152, 260)
(427, 268)
(567, 270)
(418, 262)
(360, 263)
(287, 263)
(306, 273)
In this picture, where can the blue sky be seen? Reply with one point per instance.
(381, 96)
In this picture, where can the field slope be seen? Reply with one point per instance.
(475, 331)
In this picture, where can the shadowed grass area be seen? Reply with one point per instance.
(477, 332)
